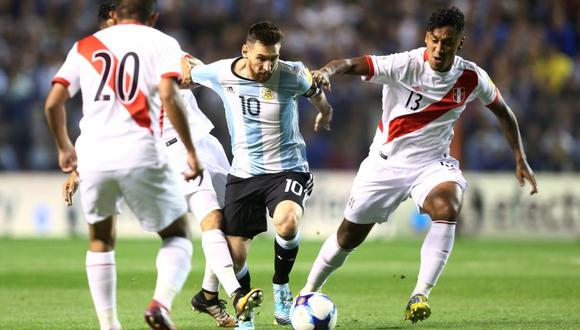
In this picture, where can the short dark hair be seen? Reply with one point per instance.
(265, 32)
(447, 17)
(140, 10)
(106, 7)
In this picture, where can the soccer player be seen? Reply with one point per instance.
(123, 71)
(205, 200)
(269, 168)
(425, 90)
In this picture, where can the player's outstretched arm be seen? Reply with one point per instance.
(324, 116)
(188, 62)
(354, 66)
(55, 114)
(510, 129)
(175, 109)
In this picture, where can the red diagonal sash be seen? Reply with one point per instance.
(409, 123)
(139, 108)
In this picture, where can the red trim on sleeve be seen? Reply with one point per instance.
(139, 107)
(380, 127)
(188, 55)
(496, 100)
(60, 80)
(176, 75)
(371, 67)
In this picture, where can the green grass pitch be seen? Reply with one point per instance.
(486, 285)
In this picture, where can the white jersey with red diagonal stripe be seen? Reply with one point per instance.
(421, 106)
(118, 71)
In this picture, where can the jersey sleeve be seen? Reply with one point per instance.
(486, 89)
(206, 75)
(387, 68)
(68, 74)
(306, 85)
(169, 65)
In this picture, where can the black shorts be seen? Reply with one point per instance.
(247, 199)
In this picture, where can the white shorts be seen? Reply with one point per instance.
(210, 194)
(379, 186)
(150, 192)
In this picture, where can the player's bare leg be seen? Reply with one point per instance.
(101, 272)
(443, 205)
(334, 253)
(286, 218)
(173, 266)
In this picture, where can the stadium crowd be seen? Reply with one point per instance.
(531, 49)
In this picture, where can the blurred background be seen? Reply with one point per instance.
(531, 49)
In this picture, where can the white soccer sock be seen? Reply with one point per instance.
(210, 281)
(288, 245)
(173, 266)
(330, 257)
(102, 277)
(434, 255)
(217, 255)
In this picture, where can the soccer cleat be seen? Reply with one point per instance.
(282, 304)
(216, 308)
(247, 324)
(418, 308)
(245, 304)
(158, 317)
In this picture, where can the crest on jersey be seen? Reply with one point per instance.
(458, 94)
(267, 94)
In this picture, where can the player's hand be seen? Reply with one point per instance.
(523, 173)
(195, 168)
(185, 73)
(67, 159)
(70, 187)
(323, 121)
(322, 79)
(188, 62)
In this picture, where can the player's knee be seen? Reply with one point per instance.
(287, 225)
(444, 209)
(213, 220)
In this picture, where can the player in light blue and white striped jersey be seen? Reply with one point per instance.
(262, 117)
(269, 169)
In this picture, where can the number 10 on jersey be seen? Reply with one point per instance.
(250, 105)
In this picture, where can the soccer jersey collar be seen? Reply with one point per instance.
(244, 78)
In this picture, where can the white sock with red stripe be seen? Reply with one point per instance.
(217, 256)
(102, 277)
(434, 255)
(330, 257)
(173, 266)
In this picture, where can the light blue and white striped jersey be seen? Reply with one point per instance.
(262, 118)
